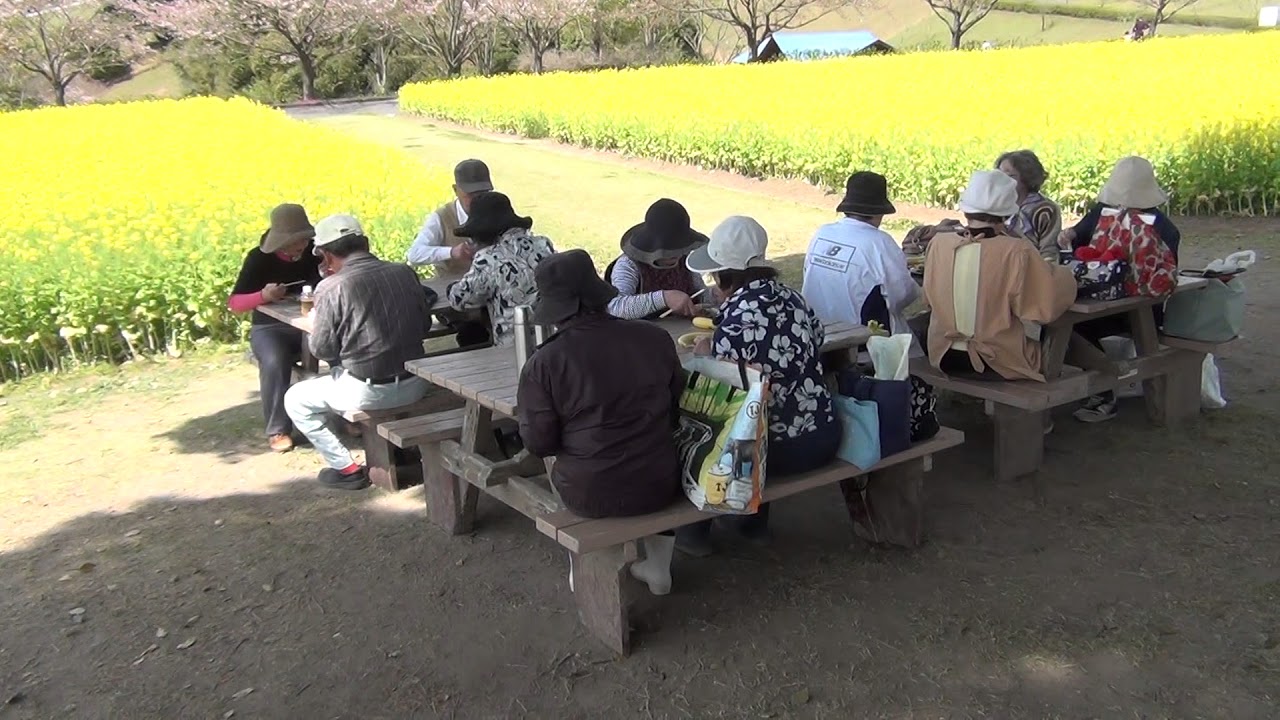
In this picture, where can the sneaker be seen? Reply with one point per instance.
(357, 480)
(280, 443)
(1096, 409)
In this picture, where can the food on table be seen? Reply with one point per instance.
(688, 340)
(704, 323)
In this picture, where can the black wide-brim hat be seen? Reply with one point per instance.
(491, 214)
(665, 234)
(567, 285)
(866, 193)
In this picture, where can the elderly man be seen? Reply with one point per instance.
(439, 245)
(369, 320)
(602, 396)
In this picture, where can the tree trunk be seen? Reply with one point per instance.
(453, 67)
(956, 34)
(59, 93)
(381, 67)
(538, 52)
(307, 65)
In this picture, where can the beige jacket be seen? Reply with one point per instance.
(1014, 285)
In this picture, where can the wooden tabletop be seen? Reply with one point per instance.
(289, 310)
(489, 376)
(1101, 308)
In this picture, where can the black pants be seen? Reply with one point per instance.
(277, 347)
(787, 457)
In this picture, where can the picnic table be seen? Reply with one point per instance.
(457, 450)
(1168, 368)
(289, 312)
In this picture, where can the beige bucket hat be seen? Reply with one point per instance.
(289, 224)
(990, 192)
(1133, 185)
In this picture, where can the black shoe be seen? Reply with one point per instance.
(357, 480)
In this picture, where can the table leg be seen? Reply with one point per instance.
(451, 500)
(1146, 342)
(597, 589)
(887, 506)
(310, 365)
(1019, 442)
(1057, 338)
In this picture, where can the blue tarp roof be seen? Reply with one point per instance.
(800, 43)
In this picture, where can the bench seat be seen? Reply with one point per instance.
(584, 535)
(602, 547)
(395, 468)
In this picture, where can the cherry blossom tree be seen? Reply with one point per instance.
(538, 22)
(961, 15)
(448, 31)
(755, 20)
(306, 31)
(58, 41)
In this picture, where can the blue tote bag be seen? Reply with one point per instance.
(860, 437)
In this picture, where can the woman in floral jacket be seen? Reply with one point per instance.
(767, 324)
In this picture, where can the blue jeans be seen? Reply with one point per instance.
(310, 402)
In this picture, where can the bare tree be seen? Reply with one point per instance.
(58, 41)
(1165, 9)
(755, 20)
(446, 30)
(538, 22)
(961, 15)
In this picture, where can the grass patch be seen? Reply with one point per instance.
(27, 406)
(159, 81)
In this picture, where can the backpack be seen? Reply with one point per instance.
(1129, 234)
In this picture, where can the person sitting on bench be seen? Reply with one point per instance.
(281, 264)
(602, 396)
(650, 275)
(369, 319)
(989, 290)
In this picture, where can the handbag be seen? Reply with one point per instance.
(723, 437)
(892, 399)
(860, 432)
(1098, 276)
(1213, 314)
(924, 421)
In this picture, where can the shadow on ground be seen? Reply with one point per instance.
(231, 433)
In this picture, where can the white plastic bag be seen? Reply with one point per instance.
(890, 356)
(1210, 385)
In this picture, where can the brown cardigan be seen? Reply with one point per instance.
(1015, 285)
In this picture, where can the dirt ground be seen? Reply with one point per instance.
(155, 562)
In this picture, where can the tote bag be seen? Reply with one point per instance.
(860, 432)
(723, 437)
(1213, 314)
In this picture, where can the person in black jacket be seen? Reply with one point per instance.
(602, 396)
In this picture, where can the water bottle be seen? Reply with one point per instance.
(520, 327)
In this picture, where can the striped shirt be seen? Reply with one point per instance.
(631, 304)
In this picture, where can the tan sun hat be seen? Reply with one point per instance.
(289, 224)
(1133, 185)
(990, 192)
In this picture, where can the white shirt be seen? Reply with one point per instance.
(429, 247)
(846, 260)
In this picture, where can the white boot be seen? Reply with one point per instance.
(655, 569)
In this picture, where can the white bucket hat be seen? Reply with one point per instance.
(335, 228)
(1133, 185)
(990, 192)
(737, 243)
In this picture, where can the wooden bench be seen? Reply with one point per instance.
(390, 467)
(602, 547)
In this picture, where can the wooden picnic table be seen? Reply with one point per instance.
(289, 311)
(487, 381)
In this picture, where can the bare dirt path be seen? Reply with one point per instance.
(156, 563)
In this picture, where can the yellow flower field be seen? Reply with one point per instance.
(125, 225)
(1202, 108)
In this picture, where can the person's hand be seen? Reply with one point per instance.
(703, 347)
(679, 303)
(1065, 238)
(462, 251)
(273, 292)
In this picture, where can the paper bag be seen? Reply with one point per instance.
(723, 435)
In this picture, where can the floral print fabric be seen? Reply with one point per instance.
(769, 325)
(501, 279)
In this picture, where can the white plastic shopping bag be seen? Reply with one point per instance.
(1211, 385)
(890, 356)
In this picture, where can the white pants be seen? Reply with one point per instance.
(310, 401)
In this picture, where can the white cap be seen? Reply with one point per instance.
(336, 227)
(737, 243)
(990, 192)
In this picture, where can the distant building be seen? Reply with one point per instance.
(1269, 16)
(792, 45)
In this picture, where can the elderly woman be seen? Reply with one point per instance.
(985, 285)
(1132, 186)
(280, 264)
(769, 325)
(650, 276)
(501, 277)
(1038, 219)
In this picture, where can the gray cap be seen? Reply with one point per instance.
(472, 176)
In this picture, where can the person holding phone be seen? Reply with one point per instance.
(280, 265)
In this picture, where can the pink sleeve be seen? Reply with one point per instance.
(244, 302)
